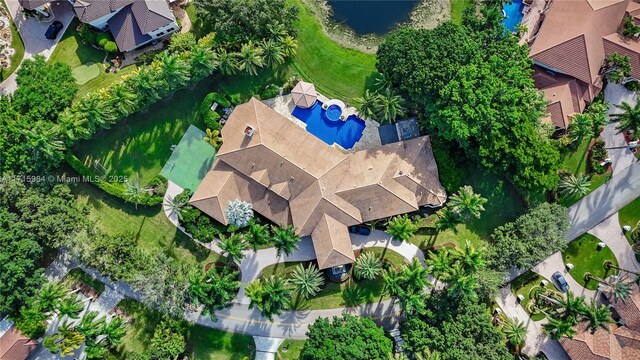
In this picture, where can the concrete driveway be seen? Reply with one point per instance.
(554, 263)
(616, 94)
(32, 33)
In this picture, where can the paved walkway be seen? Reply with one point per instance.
(266, 348)
(615, 94)
(554, 263)
(610, 232)
(32, 33)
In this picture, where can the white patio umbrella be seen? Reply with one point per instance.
(304, 95)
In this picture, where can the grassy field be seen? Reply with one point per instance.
(336, 71)
(583, 253)
(71, 51)
(457, 8)
(575, 162)
(523, 285)
(17, 45)
(76, 275)
(202, 342)
(334, 295)
(150, 225)
(290, 349)
(630, 215)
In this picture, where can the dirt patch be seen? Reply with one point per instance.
(426, 15)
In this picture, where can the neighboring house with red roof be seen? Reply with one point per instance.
(622, 342)
(133, 23)
(15, 346)
(570, 48)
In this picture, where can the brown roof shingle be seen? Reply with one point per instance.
(15, 346)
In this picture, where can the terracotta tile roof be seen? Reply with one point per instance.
(570, 38)
(15, 346)
(293, 178)
(565, 95)
(615, 43)
(629, 310)
(332, 243)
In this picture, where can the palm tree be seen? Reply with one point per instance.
(277, 31)
(615, 286)
(306, 282)
(470, 258)
(383, 82)
(214, 289)
(461, 284)
(203, 62)
(392, 282)
(414, 276)
(113, 332)
(556, 329)
(134, 191)
(257, 235)
(175, 205)
(401, 227)
(232, 247)
(447, 220)
(70, 307)
(91, 325)
(122, 99)
(174, 70)
(273, 53)
(609, 265)
(72, 127)
(581, 127)
(49, 297)
(65, 342)
(467, 203)
(147, 84)
(439, 263)
(289, 46)
(367, 104)
(368, 266)
(572, 307)
(96, 111)
(44, 142)
(598, 317)
(427, 355)
(630, 117)
(270, 295)
(250, 58)
(390, 106)
(285, 239)
(227, 62)
(213, 137)
(571, 186)
(516, 332)
(412, 302)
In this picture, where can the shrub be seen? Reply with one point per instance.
(451, 175)
(110, 47)
(159, 185)
(212, 120)
(632, 85)
(88, 36)
(148, 57)
(102, 38)
(270, 91)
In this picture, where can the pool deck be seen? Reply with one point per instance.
(370, 137)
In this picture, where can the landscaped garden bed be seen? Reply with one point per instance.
(78, 279)
(587, 258)
(630, 216)
(584, 160)
(529, 285)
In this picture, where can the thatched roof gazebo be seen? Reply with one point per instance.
(304, 95)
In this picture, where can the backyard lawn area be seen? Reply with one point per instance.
(630, 215)
(202, 342)
(17, 45)
(583, 253)
(149, 224)
(334, 295)
(336, 71)
(457, 8)
(524, 285)
(85, 61)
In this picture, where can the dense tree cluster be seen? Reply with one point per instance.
(473, 83)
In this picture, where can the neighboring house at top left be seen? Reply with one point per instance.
(132, 23)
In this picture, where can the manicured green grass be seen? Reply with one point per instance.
(73, 52)
(523, 285)
(76, 275)
(427, 237)
(17, 45)
(190, 161)
(149, 225)
(290, 349)
(596, 181)
(336, 71)
(575, 161)
(333, 295)
(630, 215)
(202, 343)
(583, 253)
(86, 72)
(457, 8)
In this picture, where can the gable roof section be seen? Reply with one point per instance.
(126, 31)
(90, 10)
(152, 14)
(332, 243)
(32, 4)
(570, 38)
(15, 346)
(616, 43)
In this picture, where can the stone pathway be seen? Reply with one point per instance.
(554, 263)
(610, 232)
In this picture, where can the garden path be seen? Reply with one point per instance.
(554, 263)
(266, 347)
(610, 233)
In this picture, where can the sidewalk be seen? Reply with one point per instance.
(610, 232)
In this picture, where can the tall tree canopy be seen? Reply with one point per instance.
(474, 83)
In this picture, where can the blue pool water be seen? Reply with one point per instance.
(345, 133)
(513, 14)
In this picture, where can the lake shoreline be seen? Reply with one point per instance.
(426, 15)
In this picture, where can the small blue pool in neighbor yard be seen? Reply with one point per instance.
(513, 15)
(327, 126)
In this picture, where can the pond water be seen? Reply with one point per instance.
(371, 16)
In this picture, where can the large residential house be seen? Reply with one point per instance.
(622, 342)
(570, 48)
(293, 178)
(133, 23)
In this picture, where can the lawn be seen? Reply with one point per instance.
(335, 70)
(202, 343)
(630, 215)
(524, 284)
(78, 274)
(334, 295)
(575, 162)
(457, 8)
(17, 45)
(149, 224)
(73, 52)
(86, 72)
(583, 253)
(290, 349)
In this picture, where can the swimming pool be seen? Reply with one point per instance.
(344, 133)
(513, 15)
